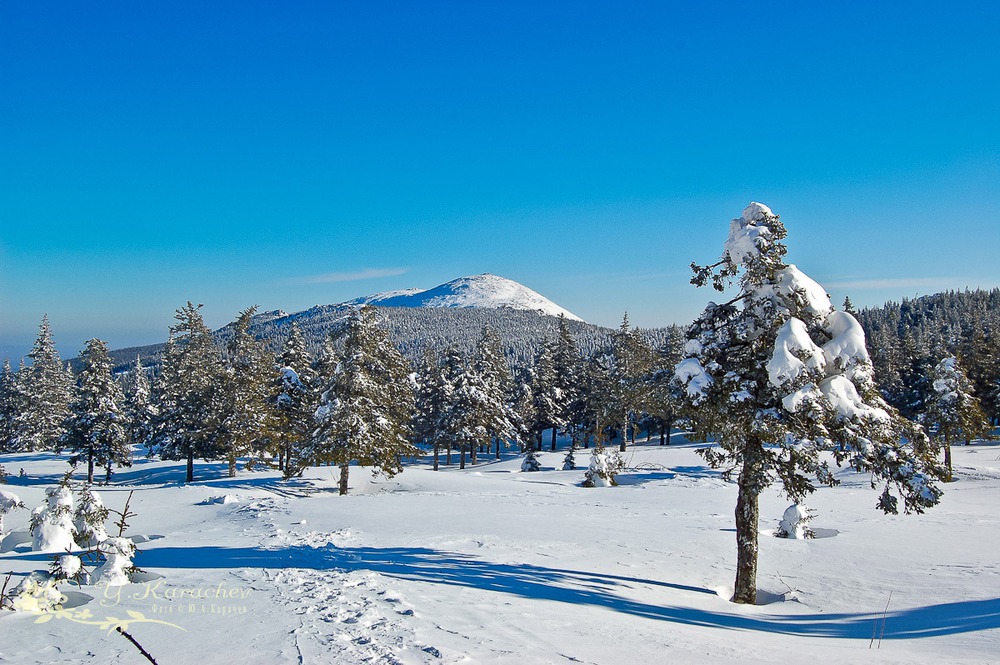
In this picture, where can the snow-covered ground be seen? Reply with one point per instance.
(490, 565)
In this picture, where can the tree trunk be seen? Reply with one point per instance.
(461, 463)
(447, 455)
(437, 454)
(190, 466)
(747, 518)
(345, 469)
(107, 474)
(553, 439)
(232, 466)
(90, 466)
(947, 461)
(472, 455)
(662, 437)
(621, 447)
(670, 424)
(498, 447)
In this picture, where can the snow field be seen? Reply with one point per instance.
(491, 565)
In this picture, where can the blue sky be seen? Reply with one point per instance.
(290, 154)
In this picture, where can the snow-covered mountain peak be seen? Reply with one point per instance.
(484, 291)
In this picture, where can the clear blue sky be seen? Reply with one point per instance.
(295, 153)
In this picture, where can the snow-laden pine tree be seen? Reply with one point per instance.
(629, 365)
(782, 381)
(186, 392)
(953, 409)
(10, 407)
(364, 415)
(95, 429)
(51, 526)
(546, 394)
(431, 396)
(47, 389)
(492, 367)
(89, 518)
(293, 399)
(566, 367)
(139, 409)
(244, 413)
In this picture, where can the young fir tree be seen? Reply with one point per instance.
(292, 396)
(186, 393)
(47, 390)
(89, 518)
(777, 377)
(95, 429)
(364, 415)
(243, 411)
(953, 408)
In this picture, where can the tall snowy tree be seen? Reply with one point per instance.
(364, 415)
(629, 364)
(431, 397)
(781, 380)
(546, 394)
(139, 409)
(953, 408)
(490, 364)
(47, 389)
(10, 407)
(566, 367)
(95, 429)
(186, 393)
(244, 415)
(293, 398)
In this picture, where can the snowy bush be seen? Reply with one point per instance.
(795, 523)
(89, 518)
(52, 523)
(603, 468)
(67, 567)
(530, 461)
(37, 592)
(117, 567)
(8, 502)
(569, 462)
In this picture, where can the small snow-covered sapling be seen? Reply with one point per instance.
(795, 523)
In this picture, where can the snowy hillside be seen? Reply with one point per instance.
(484, 291)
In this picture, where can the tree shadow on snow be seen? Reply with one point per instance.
(580, 587)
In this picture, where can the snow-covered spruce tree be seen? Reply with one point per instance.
(244, 413)
(186, 392)
(364, 415)
(629, 364)
(492, 367)
(95, 428)
(431, 397)
(953, 408)
(51, 526)
(139, 409)
(566, 368)
(603, 468)
(470, 413)
(292, 397)
(546, 394)
(777, 377)
(10, 401)
(47, 388)
(89, 518)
